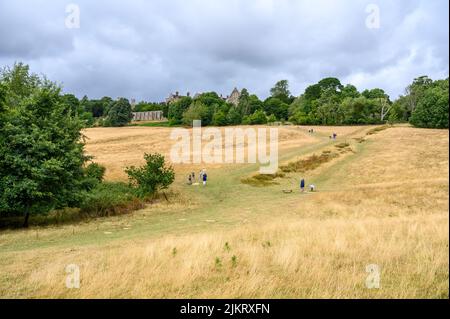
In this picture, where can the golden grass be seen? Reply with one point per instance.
(386, 203)
(118, 148)
(297, 259)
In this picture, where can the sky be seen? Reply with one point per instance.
(148, 49)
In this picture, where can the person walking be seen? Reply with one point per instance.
(205, 177)
(302, 184)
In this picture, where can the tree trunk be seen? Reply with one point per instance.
(27, 216)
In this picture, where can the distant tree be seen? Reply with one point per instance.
(234, 117)
(433, 106)
(330, 84)
(259, 117)
(415, 91)
(219, 118)
(281, 91)
(198, 111)
(350, 91)
(119, 114)
(154, 176)
(244, 102)
(277, 107)
(177, 108)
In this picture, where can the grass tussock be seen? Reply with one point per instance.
(308, 164)
(377, 129)
(260, 180)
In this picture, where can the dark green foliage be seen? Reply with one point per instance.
(198, 111)
(259, 117)
(275, 106)
(281, 92)
(95, 171)
(107, 199)
(219, 118)
(432, 108)
(234, 117)
(41, 153)
(119, 114)
(176, 110)
(155, 175)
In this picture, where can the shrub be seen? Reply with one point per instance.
(152, 177)
(95, 171)
(108, 198)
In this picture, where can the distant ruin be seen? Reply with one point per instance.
(148, 116)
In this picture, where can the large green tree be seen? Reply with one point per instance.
(432, 107)
(41, 149)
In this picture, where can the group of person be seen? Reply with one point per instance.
(312, 187)
(202, 177)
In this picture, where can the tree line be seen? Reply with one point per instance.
(328, 102)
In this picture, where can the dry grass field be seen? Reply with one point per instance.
(383, 203)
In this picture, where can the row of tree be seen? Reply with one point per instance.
(327, 102)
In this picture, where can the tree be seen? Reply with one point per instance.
(41, 151)
(276, 107)
(234, 117)
(154, 176)
(330, 84)
(259, 117)
(177, 108)
(20, 82)
(198, 111)
(350, 91)
(119, 114)
(433, 106)
(281, 91)
(415, 90)
(219, 118)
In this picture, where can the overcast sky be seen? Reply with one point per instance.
(147, 49)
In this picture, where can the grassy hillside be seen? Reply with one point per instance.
(382, 200)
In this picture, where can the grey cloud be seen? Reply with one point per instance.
(148, 49)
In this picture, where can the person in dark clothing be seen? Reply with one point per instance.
(302, 185)
(205, 177)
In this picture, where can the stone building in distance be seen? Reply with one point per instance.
(234, 97)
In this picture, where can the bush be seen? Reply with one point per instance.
(271, 118)
(259, 117)
(152, 177)
(219, 118)
(108, 198)
(95, 171)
